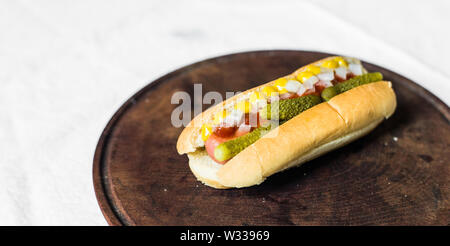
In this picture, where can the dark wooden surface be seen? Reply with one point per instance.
(396, 175)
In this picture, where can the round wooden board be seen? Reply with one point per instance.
(396, 175)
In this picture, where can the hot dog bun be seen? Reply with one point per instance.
(312, 133)
(188, 139)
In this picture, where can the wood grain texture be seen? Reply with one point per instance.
(396, 175)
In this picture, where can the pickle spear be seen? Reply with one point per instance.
(332, 91)
(229, 149)
(287, 109)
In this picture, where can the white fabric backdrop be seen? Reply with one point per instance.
(66, 67)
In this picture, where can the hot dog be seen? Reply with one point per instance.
(285, 122)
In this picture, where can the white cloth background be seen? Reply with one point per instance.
(67, 66)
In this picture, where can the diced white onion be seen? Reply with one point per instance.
(235, 118)
(293, 85)
(325, 83)
(274, 98)
(341, 72)
(355, 69)
(199, 141)
(326, 76)
(301, 90)
(309, 83)
(258, 104)
(245, 128)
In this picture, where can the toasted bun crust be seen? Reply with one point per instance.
(187, 141)
(316, 131)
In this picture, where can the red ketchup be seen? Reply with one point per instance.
(311, 92)
(319, 88)
(243, 129)
(223, 133)
(288, 95)
(338, 79)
